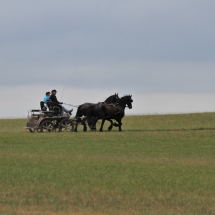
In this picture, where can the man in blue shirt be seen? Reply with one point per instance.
(46, 98)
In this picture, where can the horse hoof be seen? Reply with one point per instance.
(110, 128)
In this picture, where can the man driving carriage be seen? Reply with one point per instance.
(53, 98)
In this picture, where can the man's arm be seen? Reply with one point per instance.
(54, 99)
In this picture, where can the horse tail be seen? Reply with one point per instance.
(79, 113)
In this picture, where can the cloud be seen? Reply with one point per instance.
(136, 47)
(130, 77)
(83, 31)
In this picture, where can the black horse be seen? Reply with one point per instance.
(114, 111)
(84, 109)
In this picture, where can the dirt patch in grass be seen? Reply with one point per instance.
(147, 202)
(6, 210)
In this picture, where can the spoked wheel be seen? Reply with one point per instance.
(47, 126)
(66, 125)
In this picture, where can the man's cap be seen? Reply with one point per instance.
(47, 93)
(54, 91)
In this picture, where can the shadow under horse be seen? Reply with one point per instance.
(109, 112)
(83, 110)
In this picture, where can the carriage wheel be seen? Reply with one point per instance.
(47, 126)
(66, 125)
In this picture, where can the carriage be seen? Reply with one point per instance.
(49, 120)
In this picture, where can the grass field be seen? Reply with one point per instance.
(159, 164)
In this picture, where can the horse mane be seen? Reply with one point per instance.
(110, 98)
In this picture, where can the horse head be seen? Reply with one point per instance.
(126, 100)
(129, 101)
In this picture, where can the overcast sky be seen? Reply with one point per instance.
(161, 52)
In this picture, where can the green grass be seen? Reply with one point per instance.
(159, 164)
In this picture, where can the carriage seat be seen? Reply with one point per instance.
(42, 106)
(50, 110)
(53, 108)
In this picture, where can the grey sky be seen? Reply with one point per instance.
(137, 47)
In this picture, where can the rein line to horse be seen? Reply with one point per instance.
(72, 105)
(66, 104)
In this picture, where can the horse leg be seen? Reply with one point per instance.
(85, 127)
(120, 124)
(92, 125)
(76, 127)
(109, 128)
(91, 121)
(101, 127)
(115, 124)
(111, 125)
(77, 121)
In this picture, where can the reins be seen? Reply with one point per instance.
(72, 105)
(64, 104)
